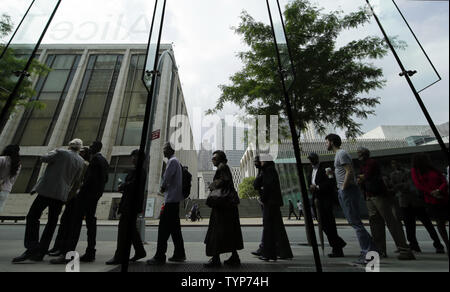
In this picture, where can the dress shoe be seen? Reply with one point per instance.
(60, 261)
(138, 256)
(285, 258)
(213, 263)
(55, 253)
(266, 259)
(415, 248)
(233, 261)
(156, 261)
(88, 257)
(177, 259)
(406, 256)
(336, 254)
(53, 250)
(25, 256)
(257, 253)
(37, 257)
(113, 262)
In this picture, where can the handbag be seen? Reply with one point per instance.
(222, 198)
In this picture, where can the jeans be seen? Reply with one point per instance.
(349, 201)
(3, 198)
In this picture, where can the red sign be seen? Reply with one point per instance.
(156, 135)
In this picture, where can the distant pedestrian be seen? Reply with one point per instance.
(349, 194)
(412, 207)
(127, 203)
(435, 188)
(90, 193)
(275, 240)
(324, 190)
(292, 210)
(10, 166)
(380, 205)
(63, 170)
(169, 222)
(300, 209)
(224, 233)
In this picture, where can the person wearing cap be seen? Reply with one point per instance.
(323, 188)
(380, 206)
(9, 171)
(64, 167)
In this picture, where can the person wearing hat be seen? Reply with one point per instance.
(323, 188)
(9, 171)
(64, 167)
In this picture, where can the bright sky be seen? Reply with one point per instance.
(205, 45)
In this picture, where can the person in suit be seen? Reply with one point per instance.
(90, 193)
(64, 167)
(275, 241)
(323, 188)
(128, 189)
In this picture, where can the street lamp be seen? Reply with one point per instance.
(287, 74)
(408, 74)
(23, 73)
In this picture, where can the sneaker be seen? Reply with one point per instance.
(361, 260)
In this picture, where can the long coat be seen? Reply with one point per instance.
(224, 231)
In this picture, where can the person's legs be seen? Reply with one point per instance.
(441, 226)
(410, 223)
(175, 231)
(349, 201)
(384, 207)
(423, 216)
(54, 210)
(377, 226)
(329, 226)
(163, 234)
(269, 245)
(91, 224)
(32, 224)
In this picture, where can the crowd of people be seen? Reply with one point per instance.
(76, 178)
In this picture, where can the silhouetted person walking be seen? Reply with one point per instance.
(169, 221)
(324, 190)
(91, 191)
(224, 231)
(63, 169)
(128, 189)
(292, 210)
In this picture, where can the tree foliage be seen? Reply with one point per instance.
(10, 63)
(333, 84)
(246, 190)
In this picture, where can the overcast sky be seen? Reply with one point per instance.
(205, 45)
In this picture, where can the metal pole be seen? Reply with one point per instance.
(4, 114)
(17, 29)
(142, 156)
(295, 140)
(411, 85)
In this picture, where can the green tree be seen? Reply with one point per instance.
(246, 190)
(10, 63)
(333, 85)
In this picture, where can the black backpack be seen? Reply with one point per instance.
(186, 181)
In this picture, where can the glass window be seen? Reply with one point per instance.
(105, 62)
(28, 174)
(38, 123)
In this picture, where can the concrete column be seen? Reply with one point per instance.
(112, 123)
(13, 123)
(160, 123)
(60, 130)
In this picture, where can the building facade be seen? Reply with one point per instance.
(95, 92)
